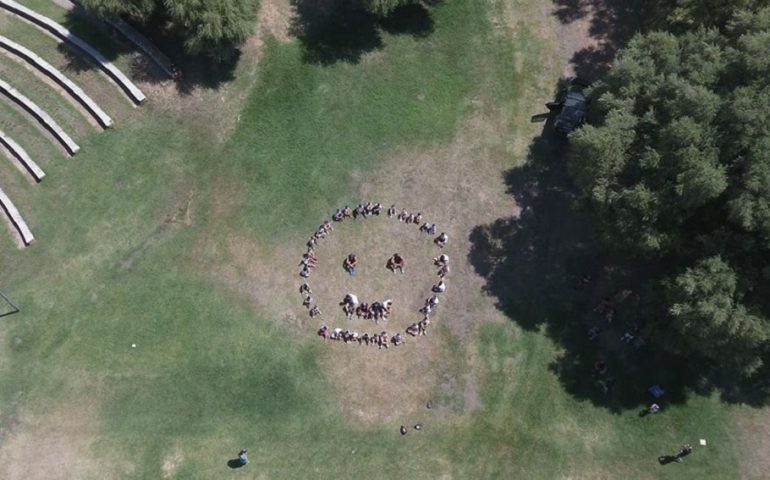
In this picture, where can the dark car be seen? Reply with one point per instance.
(571, 108)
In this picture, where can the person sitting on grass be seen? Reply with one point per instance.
(349, 264)
(413, 329)
(383, 340)
(305, 272)
(376, 209)
(417, 218)
(443, 271)
(433, 301)
(365, 338)
(440, 287)
(423, 326)
(441, 260)
(323, 332)
(347, 212)
(391, 211)
(307, 301)
(398, 339)
(442, 240)
(336, 334)
(396, 262)
(305, 288)
(338, 216)
(308, 261)
(315, 311)
(349, 309)
(403, 215)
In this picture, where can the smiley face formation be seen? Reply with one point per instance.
(370, 309)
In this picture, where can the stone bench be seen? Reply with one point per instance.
(20, 154)
(76, 92)
(15, 217)
(130, 33)
(62, 33)
(42, 117)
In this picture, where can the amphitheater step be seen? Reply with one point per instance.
(41, 116)
(65, 35)
(49, 70)
(16, 220)
(19, 154)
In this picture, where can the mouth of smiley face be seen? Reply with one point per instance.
(370, 314)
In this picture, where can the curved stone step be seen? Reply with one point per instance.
(16, 219)
(153, 52)
(75, 91)
(131, 34)
(62, 33)
(42, 117)
(21, 155)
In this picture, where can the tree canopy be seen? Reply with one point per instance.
(675, 165)
(210, 27)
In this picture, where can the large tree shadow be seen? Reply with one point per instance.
(342, 31)
(612, 24)
(193, 70)
(547, 270)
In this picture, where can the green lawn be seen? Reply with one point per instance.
(116, 263)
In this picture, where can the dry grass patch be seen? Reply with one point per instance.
(53, 446)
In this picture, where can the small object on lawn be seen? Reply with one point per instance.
(133, 345)
(418, 426)
(703, 441)
(403, 430)
(654, 408)
(656, 391)
(429, 404)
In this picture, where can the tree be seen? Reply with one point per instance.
(675, 165)
(709, 319)
(384, 7)
(211, 27)
(214, 27)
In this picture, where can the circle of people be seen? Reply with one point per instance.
(376, 311)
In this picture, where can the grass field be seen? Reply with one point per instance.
(179, 231)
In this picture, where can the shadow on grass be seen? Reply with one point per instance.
(612, 24)
(234, 463)
(194, 70)
(548, 272)
(342, 31)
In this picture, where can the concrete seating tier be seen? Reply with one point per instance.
(132, 35)
(62, 33)
(49, 70)
(15, 217)
(20, 154)
(41, 116)
(143, 43)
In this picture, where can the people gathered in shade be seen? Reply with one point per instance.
(377, 311)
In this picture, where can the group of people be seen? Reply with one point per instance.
(376, 310)
(362, 210)
(382, 339)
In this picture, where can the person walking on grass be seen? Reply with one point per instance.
(683, 452)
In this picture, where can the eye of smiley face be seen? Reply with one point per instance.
(368, 315)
